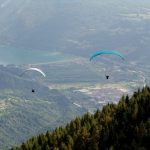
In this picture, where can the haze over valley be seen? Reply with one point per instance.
(59, 37)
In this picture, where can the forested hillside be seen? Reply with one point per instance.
(122, 126)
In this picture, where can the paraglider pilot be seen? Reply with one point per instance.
(107, 77)
(33, 90)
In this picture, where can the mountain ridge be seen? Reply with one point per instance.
(125, 125)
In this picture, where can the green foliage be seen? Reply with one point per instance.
(125, 126)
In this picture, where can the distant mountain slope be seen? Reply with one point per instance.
(24, 114)
(125, 126)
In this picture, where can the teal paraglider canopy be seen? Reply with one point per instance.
(104, 52)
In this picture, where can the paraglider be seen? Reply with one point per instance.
(33, 90)
(106, 52)
(33, 69)
(107, 77)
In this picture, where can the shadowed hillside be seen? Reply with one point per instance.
(24, 114)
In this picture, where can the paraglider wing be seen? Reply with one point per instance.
(106, 52)
(34, 69)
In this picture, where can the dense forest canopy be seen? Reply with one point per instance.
(122, 126)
